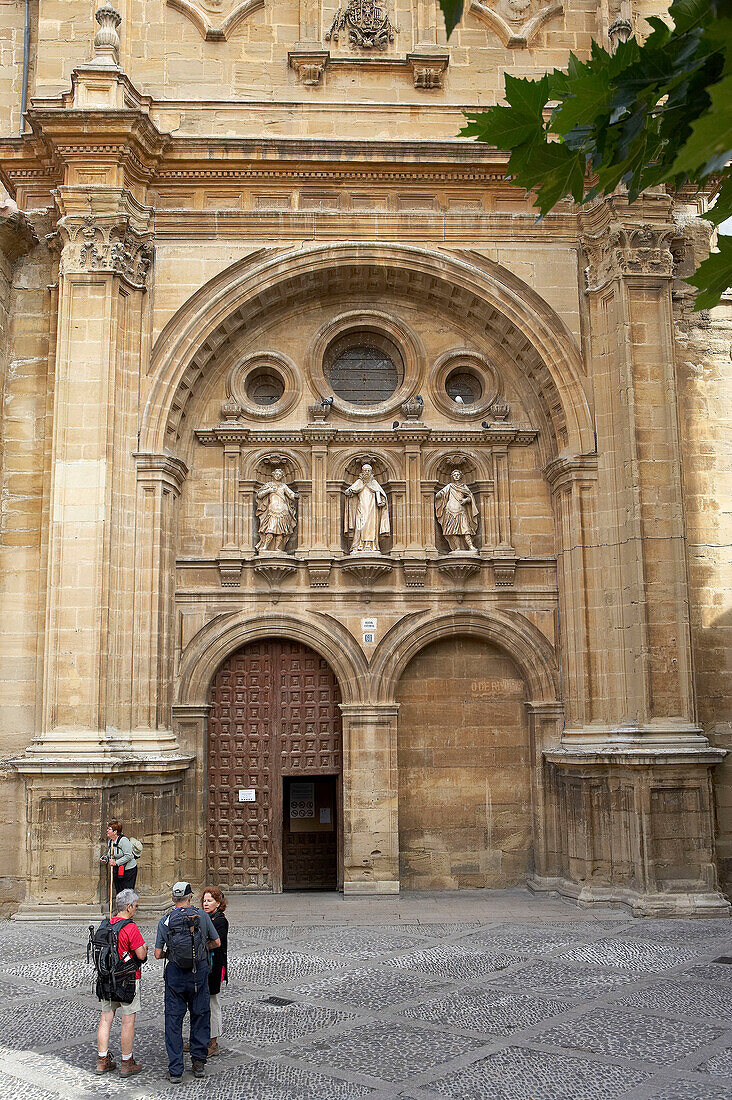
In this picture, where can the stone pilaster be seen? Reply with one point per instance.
(370, 798)
(641, 533)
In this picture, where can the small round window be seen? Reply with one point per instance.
(463, 387)
(362, 373)
(264, 387)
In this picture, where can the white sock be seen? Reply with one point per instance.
(126, 1057)
(103, 1053)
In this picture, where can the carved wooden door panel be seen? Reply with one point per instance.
(269, 696)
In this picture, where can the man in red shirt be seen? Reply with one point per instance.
(130, 944)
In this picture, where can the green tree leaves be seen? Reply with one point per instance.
(654, 113)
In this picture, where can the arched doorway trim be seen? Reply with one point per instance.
(215, 641)
(199, 327)
(509, 631)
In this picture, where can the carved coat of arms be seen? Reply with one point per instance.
(367, 24)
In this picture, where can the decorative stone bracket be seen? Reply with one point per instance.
(428, 67)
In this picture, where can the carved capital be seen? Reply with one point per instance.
(623, 250)
(98, 245)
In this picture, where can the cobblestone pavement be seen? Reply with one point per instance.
(470, 996)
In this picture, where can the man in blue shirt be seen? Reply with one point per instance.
(185, 936)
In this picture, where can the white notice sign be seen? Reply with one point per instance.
(247, 794)
(369, 626)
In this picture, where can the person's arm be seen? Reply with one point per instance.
(213, 938)
(159, 943)
(141, 952)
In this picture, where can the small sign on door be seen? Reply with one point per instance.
(247, 794)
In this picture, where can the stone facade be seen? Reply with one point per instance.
(217, 213)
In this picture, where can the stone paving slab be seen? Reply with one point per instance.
(470, 995)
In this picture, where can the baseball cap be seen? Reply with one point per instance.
(181, 890)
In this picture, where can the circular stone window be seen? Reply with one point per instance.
(363, 369)
(264, 386)
(463, 384)
(463, 387)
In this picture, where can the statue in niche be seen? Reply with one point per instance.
(367, 513)
(275, 502)
(457, 513)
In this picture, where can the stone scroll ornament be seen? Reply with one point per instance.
(457, 513)
(367, 513)
(367, 24)
(276, 514)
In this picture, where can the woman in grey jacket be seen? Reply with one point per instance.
(119, 854)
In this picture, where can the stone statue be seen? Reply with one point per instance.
(457, 513)
(276, 513)
(367, 513)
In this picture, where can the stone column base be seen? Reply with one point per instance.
(633, 826)
(710, 904)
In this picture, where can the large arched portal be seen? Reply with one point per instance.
(274, 758)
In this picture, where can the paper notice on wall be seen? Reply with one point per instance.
(302, 800)
(247, 794)
(325, 815)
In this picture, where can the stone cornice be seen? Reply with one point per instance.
(566, 469)
(491, 436)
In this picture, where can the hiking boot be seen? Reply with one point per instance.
(213, 1048)
(129, 1066)
(105, 1064)
(199, 1069)
(174, 1078)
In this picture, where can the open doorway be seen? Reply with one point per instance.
(310, 833)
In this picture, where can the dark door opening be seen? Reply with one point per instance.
(310, 833)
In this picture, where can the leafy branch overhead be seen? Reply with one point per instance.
(657, 112)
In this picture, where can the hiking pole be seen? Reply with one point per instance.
(111, 885)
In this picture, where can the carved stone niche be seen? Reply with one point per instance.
(462, 462)
(264, 472)
(351, 473)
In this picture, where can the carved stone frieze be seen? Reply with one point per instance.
(319, 572)
(366, 23)
(504, 572)
(93, 244)
(624, 250)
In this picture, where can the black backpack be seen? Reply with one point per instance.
(115, 976)
(186, 940)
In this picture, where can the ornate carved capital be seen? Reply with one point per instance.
(97, 244)
(623, 250)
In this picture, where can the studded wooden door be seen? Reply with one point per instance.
(274, 713)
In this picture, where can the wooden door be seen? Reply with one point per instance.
(274, 713)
